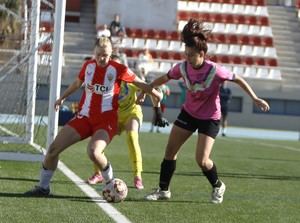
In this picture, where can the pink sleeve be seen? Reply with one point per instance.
(224, 74)
(175, 73)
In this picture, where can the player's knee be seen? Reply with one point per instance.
(53, 151)
(95, 153)
(203, 163)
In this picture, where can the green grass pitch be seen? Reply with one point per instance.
(262, 179)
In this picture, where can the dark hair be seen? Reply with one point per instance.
(195, 34)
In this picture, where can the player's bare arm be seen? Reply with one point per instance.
(71, 89)
(147, 88)
(156, 83)
(262, 104)
(160, 80)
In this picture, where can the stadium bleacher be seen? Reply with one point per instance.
(241, 36)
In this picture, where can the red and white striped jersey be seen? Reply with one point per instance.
(102, 86)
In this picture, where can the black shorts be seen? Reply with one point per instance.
(206, 127)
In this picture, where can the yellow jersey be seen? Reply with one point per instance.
(127, 104)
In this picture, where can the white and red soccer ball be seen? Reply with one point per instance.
(115, 191)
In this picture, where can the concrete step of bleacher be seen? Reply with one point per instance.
(286, 36)
(287, 46)
(79, 37)
(287, 63)
(80, 27)
(69, 74)
(75, 59)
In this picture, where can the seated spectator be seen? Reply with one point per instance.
(104, 32)
(116, 28)
(118, 53)
(144, 63)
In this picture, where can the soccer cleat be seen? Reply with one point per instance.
(138, 183)
(217, 194)
(158, 194)
(38, 191)
(96, 178)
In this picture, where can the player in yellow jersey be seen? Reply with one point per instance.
(130, 118)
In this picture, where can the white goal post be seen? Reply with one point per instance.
(55, 78)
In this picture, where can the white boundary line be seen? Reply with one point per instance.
(92, 193)
(113, 213)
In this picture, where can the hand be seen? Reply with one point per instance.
(140, 98)
(262, 104)
(158, 119)
(58, 103)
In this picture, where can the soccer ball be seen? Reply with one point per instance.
(115, 191)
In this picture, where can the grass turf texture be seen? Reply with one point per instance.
(262, 179)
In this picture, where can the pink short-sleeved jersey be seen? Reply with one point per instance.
(202, 95)
(102, 87)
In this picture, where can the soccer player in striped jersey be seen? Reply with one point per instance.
(130, 119)
(201, 110)
(98, 113)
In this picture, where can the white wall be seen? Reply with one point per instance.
(146, 14)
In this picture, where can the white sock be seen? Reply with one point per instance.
(45, 178)
(107, 173)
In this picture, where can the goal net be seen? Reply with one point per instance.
(25, 67)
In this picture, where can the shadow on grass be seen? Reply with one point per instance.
(272, 159)
(64, 182)
(19, 179)
(245, 176)
(166, 201)
(233, 175)
(54, 196)
(35, 180)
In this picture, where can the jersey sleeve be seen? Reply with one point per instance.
(224, 74)
(175, 73)
(81, 74)
(127, 75)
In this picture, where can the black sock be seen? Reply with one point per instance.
(167, 169)
(212, 176)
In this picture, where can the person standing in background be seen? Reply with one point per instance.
(225, 97)
(116, 28)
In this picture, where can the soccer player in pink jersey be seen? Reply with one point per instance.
(97, 117)
(201, 110)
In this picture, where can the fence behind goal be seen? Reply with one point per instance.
(25, 64)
